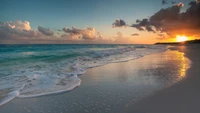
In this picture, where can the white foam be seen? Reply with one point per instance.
(45, 78)
(10, 96)
(29, 92)
(99, 58)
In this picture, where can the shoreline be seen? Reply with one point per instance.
(182, 97)
(102, 89)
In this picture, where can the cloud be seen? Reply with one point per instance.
(162, 36)
(144, 25)
(164, 2)
(86, 34)
(121, 39)
(45, 31)
(99, 35)
(73, 31)
(64, 36)
(89, 33)
(19, 25)
(70, 37)
(168, 14)
(135, 34)
(18, 32)
(119, 23)
(173, 22)
(119, 35)
(173, 2)
(16, 29)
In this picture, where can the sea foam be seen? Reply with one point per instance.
(55, 71)
(10, 96)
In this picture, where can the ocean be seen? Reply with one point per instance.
(39, 70)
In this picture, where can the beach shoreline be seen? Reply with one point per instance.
(111, 88)
(182, 97)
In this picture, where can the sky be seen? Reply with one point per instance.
(97, 21)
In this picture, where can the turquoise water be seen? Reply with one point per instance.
(38, 70)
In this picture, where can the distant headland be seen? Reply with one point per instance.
(196, 41)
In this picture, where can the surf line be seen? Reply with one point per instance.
(10, 96)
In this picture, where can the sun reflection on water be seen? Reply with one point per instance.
(184, 65)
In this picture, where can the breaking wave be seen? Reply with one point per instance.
(32, 72)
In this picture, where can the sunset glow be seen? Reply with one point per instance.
(181, 38)
(96, 22)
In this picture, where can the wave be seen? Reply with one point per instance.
(10, 96)
(68, 87)
(59, 73)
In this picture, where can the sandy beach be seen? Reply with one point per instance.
(156, 83)
(179, 98)
(99, 56)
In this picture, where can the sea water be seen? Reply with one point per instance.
(37, 70)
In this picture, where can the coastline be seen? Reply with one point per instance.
(109, 88)
(179, 98)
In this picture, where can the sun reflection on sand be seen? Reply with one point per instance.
(184, 65)
(162, 69)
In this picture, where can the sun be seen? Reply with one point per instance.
(181, 38)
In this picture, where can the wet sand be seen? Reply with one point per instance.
(113, 88)
(183, 97)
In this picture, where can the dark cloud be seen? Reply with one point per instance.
(164, 2)
(151, 28)
(87, 33)
(64, 35)
(144, 25)
(138, 21)
(144, 22)
(135, 34)
(172, 22)
(73, 31)
(168, 14)
(119, 23)
(45, 31)
(162, 36)
(173, 2)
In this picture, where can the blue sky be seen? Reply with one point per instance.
(80, 13)
(98, 14)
